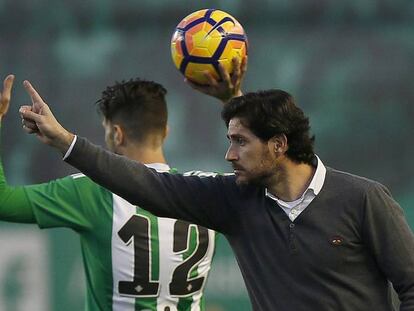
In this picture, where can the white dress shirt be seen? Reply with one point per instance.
(294, 208)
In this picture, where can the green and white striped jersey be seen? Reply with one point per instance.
(133, 260)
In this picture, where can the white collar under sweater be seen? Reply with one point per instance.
(294, 208)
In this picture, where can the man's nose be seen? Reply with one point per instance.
(231, 155)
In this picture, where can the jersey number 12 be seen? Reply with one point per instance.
(138, 227)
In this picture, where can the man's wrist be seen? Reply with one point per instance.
(225, 101)
(68, 152)
(64, 141)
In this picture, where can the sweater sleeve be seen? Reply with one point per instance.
(391, 241)
(198, 200)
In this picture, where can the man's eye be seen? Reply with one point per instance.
(240, 141)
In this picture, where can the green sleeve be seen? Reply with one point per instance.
(53, 204)
(71, 202)
(67, 202)
(14, 205)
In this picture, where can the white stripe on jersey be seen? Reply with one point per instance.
(77, 175)
(206, 174)
(122, 254)
(204, 268)
(168, 262)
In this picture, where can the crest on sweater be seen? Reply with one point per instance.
(336, 240)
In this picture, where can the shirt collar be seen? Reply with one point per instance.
(315, 185)
(159, 167)
(318, 178)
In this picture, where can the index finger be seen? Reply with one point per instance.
(32, 92)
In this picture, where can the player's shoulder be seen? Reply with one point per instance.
(83, 182)
(89, 192)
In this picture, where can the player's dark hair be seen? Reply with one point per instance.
(138, 105)
(271, 113)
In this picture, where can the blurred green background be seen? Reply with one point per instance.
(350, 65)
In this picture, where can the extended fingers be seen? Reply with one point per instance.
(34, 95)
(211, 81)
(236, 74)
(243, 66)
(225, 76)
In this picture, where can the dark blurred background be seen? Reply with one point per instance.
(350, 65)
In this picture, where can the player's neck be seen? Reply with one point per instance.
(144, 154)
(291, 180)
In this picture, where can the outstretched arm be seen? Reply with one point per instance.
(53, 204)
(38, 119)
(198, 200)
(14, 206)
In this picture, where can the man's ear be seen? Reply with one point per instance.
(167, 131)
(279, 144)
(119, 135)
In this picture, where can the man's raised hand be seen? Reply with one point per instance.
(228, 86)
(39, 119)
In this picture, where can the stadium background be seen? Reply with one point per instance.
(350, 65)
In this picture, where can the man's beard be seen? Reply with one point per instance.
(258, 180)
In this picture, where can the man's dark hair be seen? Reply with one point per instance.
(271, 113)
(138, 105)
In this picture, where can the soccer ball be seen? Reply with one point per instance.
(204, 39)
